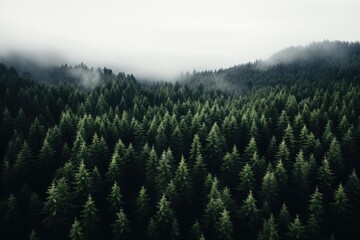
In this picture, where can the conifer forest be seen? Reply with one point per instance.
(264, 150)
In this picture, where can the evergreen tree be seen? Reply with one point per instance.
(283, 154)
(325, 177)
(162, 224)
(76, 231)
(121, 226)
(164, 173)
(151, 166)
(182, 181)
(334, 155)
(247, 179)
(83, 182)
(283, 219)
(300, 175)
(340, 204)
(269, 188)
(250, 150)
(316, 205)
(269, 230)
(352, 189)
(33, 235)
(115, 169)
(142, 206)
(196, 150)
(215, 148)
(115, 198)
(225, 226)
(230, 167)
(296, 229)
(89, 217)
(250, 212)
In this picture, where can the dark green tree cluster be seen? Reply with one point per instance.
(135, 160)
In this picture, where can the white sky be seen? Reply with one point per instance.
(164, 37)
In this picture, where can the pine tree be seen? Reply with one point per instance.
(283, 219)
(215, 148)
(334, 155)
(272, 149)
(83, 182)
(282, 123)
(195, 231)
(247, 180)
(177, 142)
(151, 168)
(269, 188)
(142, 206)
(289, 139)
(160, 226)
(316, 205)
(325, 177)
(296, 229)
(352, 189)
(23, 164)
(230, 167)
(300, 175)
(115, 198)
(281, 178)
(115, 169)
(36, 135)
(161, 140)
(224, 226)
(58, 203)
(121, 228)
(269, 230)
(250, 150)
(250, 212)
(46, 163)
(340, 204)
(76, 231)
(89, 217)
(283, 154)
(98, 153)
(182, 181)
(164, 173)
(33, 235)
(196, 150)
(12, 213)
(213, 211)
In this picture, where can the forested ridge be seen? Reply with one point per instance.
(272, 155)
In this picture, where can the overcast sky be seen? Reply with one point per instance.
(165, 37)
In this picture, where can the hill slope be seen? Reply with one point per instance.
(130, 160)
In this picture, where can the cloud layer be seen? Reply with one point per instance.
(161, 38)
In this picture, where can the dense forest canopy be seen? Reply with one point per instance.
(265, 150)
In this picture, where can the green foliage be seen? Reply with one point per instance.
(225, 227)
(247, 179)
(269, 230)
(115, 198)
(296, 229)
(76, 231)
(89, 217)
(121, 226)
(215, 148)
(187, 159)
(82, 182)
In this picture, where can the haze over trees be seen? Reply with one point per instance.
(265, 150)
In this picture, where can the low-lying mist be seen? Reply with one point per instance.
(53, 67)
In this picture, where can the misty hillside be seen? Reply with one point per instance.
(265, 150)
(323, 62)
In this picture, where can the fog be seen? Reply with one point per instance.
(161, 38)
